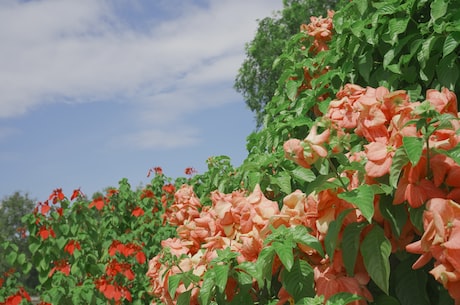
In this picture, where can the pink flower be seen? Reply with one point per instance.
(414, 187)
(441, 241)
(308, 151)
(379, 159)
(331, 279)
(184, 208)
(444, 101)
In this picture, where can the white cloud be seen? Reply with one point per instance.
(84, 51)
(160, 139)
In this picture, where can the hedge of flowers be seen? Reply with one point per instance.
(394, 155)
(349, 194)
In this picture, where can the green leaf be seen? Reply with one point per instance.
(350, 245)
(303, 174)
(264, 265)
(438, 9)
(387, 9)
(291, 89)
(173, 283)
(447, 71)
(425, 51)
(416, 217)
(21, 258)
(299, 281)
(397, 26)
(11, 257)
(361, 5)
(363, 198)
(395, 214)
(283, 180)
(454, 153)
(184, 298)
(301, 236)
(284, 253)
(332, 235)
(399, 160)
(410, 285)
(206, 288)
(451, 43)
(343, 298)
(376, 250)
(414, 148)
(365, 64)
(221, 273)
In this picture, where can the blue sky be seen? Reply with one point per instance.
(92, 91)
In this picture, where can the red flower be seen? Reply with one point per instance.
(75, 194)
(45, 208)
(98, 203)
(71, 246)
(115, 267)
(62, 266)
(56, 196)
(138, 211)
(140, 257)
(157, 170)
(147, 194)
(45, 232)
(113, 291)
(190, 171)
(169, 188)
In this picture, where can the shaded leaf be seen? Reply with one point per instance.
(350, 245)
(410, 285)
(299, 281)
(332, 235)
(376, 250)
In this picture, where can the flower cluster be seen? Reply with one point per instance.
(441, 241)
(233, 221)
(321, 29)
(383, 121)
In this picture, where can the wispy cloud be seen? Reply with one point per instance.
(85, 51)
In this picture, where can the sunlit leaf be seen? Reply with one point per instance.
(414, 148)
(363, 198)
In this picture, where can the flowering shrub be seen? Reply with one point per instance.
(94, 251)
(349, 194)
(365, 209)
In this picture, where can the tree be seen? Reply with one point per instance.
(257, 78)
(12, 209)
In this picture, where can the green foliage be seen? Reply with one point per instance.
(257, 78)
(13, 233)
(96, 251)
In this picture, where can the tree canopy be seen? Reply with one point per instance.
(257, 78)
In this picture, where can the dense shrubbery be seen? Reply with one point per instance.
(349, 193)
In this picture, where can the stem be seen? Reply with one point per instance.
(337, 173)
(428, 170)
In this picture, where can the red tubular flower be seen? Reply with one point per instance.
(98, 203)
(56, 196)
(169, 188)
(441, 241)
(46, 232)
(138, 211)
(71, 246)
(75, 194)
(61, 266)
